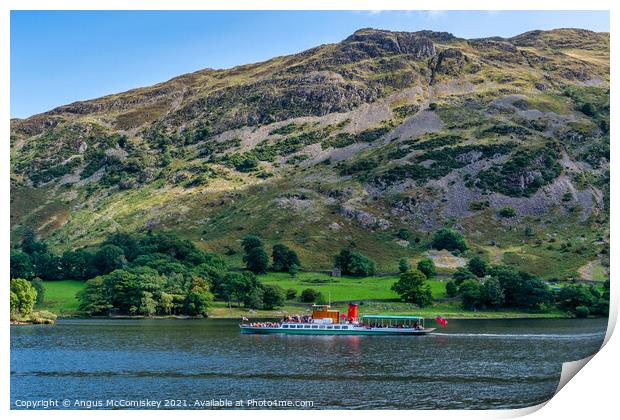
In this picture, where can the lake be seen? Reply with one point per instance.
(471, 364)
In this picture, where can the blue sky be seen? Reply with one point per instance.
(60, 57)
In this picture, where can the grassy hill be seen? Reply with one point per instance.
(343, 145)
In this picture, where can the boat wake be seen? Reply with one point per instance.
(525, 336)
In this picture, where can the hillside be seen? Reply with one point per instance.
(343, 144)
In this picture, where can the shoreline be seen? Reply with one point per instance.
(217, 317)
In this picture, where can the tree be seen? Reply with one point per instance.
(521, 290)
(30, 244)
(293, 270)
(354, 263)
(477, 266)
(492, 294)
(95, 298)
(128, 242)
(254, 299)
(507, 212)
(23, 297)
(449, 239)
(342, 260)
(461, 274)
(570, 297)
(310, 296)
(412, 288)
(582, 311)
(291, 294)
(199, 297)
(273, 296)
(166, 303)
(451, 289)
(38, 286)
(109, 258)
(403, 265)
(256, 260)
(241, 285)
(283, 258)
(148, 306)
(250, 242)
(471, 294)
(21, 265)
(78, 265)
(46, 265)
(427, 266)
(601, 307)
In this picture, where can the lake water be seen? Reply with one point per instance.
(196, 363)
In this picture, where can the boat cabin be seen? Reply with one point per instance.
(323, 314)
(393, 321)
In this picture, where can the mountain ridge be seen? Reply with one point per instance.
(382, 131)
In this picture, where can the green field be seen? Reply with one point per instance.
(373, 292)
(340, 289)
(60, 297)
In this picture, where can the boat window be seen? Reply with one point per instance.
(315, 326)
(301, 326)
(329, 327)
(285, 326)
(345, 327)
(305, 326)
(336, 327)
(322, 327)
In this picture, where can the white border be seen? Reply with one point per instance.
(592, 394)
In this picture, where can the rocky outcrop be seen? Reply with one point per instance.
(373, 43)
(367, 220)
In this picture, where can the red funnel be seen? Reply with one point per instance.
(352, 313)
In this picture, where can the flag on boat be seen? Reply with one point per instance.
(441, 321)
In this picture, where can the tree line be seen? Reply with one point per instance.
(481, 286)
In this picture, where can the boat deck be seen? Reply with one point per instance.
(332, 329)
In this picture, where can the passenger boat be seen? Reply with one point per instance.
(326, 321)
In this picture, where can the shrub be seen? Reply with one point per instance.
(404, 234)
(461, 275)
(291, 294)
(451, 289)
(403, 265)
(354, 263)
(582, 311)
(273, 296)
(507, 212)
(310, 296)
(427, 266)
(449, 239)
(293, 270)
(471, 294)
(37, 283)
(251, 241)
(523, 174)
(477, 266)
